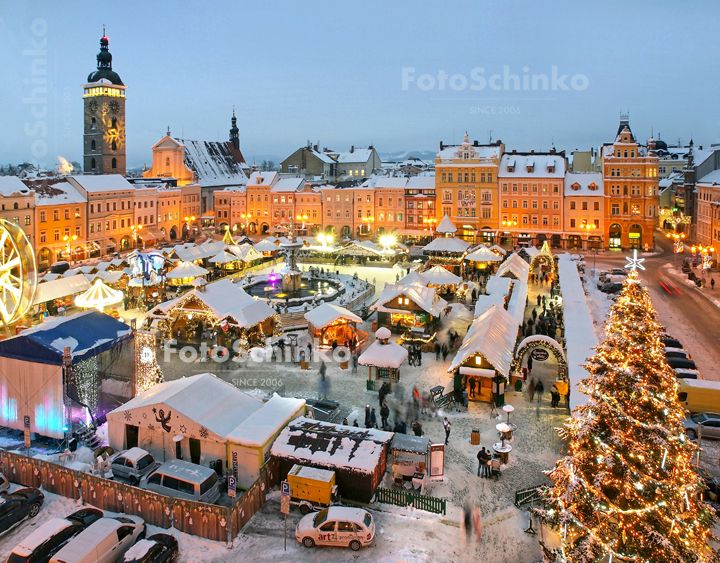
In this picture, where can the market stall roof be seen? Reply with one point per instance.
(492, 335)
(205, 399)
(514, 266)
(266, 246)
(327, 313)
(223, 257)
(109, 277)
(531, 251)
(499, 249)
(411, 444)
(332, 445)
(99, 296)
(447, 244)
(186, 270)
(413, 278)
(446, 226)
(518, 299)
(483, 254)
(484, 302)
(49, 277)
(497, 285)
(437, 275)
(205, 250)
(424, 297)
(198, 282)
(87, 334)
(258, 429)
(390, 355)
(59, 288)
(579, 330)
(244, 252)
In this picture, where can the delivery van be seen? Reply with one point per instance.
(182, 479)
(104, 541)
(699, 395)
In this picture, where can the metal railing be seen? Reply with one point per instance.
(404, 498)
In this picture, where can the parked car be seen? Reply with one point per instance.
(23, 503)
(182, 479)
(671, 352)
(671, 342)
(710, 422)
(612, 287)
(683, 373)
(680, 363)
(59, 267)
(337, 526)
(618, 273)
(158, 548)
(104, 541)
(133, 464)
(4, 484)
(50, 537)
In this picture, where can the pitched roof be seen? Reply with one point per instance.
(12, 185)
(57, 194)
(447, 244)
(538, 162)
(424, 297)
(446, 226)
(328, 313)
(584, 184)
(101, 182)
(516, 266)
(360, 155)
(213, 162)
(437, 275)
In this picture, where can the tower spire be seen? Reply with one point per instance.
(234, 131)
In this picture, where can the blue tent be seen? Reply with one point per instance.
(86, 334)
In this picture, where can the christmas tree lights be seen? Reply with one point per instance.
(627, 490)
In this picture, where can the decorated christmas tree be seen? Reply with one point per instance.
(627, 490)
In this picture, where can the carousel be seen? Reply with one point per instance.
(447, 250)
(332, 324)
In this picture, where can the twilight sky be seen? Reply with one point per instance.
(333, 72)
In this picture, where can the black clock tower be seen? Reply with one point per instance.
(104, 117)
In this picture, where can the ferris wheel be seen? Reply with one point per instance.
(18, 273)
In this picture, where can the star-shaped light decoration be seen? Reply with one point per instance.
(634, 263)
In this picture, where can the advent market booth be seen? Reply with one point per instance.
(358, 456)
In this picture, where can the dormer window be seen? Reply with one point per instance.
(551, 168)
(511, 168)
(593, 186)
(575, 186)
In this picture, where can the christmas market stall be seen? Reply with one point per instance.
(184, 273)
(187, 418)
(221, 307)
(411, 308)
(65, 371)
(330, 323)
(484, 359)
(59, 292)
(385, 356)
(358, 456)
(483, 258)
(446, 250)
(409, 455)
(267, 248)
(514, 267)
(441, 278)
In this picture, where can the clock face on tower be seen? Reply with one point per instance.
(114, 107)
(93, 105)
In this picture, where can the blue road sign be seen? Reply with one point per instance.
(285, 488)
(232, 485)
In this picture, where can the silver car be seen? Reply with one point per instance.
(4, 484)
(133, 464)
(709, 421)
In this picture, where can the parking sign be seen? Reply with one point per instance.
(232, 486)
(26, 424)
(285, 488)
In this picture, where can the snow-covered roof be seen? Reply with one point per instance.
(12, 186)
(223, 257)
(540, 165)
(447, 244)
(492, 335)
(186, 270)
(483, 254)
(212, 162)
(357, 155)
(98, 183)
(245, 252)
(390, 355)
(516, 304)
(205, 399)
(327, 313)
(57, 194)
(579, 330)
(413, 278)
(288, 185)
(437, 275)
(514, 266)
(266, 246)
(60, 287)
(482, 152)
(332, 445)
(484, 302)
(421, 182)
(390, 183)
(424, 297)
(446, 226)
(192, 253)
(258, 429)
(584, 184)
(498, 249)
(712, 178)
(531, 251)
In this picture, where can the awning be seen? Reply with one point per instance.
(413, 232)
(151, 234)
(211, 216)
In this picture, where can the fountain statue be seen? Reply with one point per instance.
(291, 275)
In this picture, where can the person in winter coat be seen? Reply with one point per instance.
(483, 459)
(384, 414)
(444, 351)
(417, 428)
(367, 416)
(539, 389)
(355, 423)
(373, 419)
(529, 365)
(437, 351)
(531, 390)
(446, 425)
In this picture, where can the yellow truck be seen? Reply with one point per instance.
(699, 395)
(311, 488)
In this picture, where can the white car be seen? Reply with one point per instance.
(4, 484)
(104, 541)
(133, 464)
(337, 526)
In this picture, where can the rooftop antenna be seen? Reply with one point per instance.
(490, 137)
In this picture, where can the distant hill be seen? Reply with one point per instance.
(427, 156)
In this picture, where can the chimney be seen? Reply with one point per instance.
(475, 143)
(514, 151)
(700, 147)
(552, 150)
(315, 148)
(532, 151)
(352, 148)
(441, 145)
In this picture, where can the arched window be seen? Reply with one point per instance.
(114, 163)
(92, 145)
(114, 124)
(92, 164)
(114, 145)
(15, 206)
(92, 124)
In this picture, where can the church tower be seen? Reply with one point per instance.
(235, 132)
(104, 117)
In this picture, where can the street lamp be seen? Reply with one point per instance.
(387, 241)
(302, 218)
(246, 218)
(678, 245)
(67, 239)
(368, 220)
(430, 221)
(135, 229)
(325, 239)
(187, 222)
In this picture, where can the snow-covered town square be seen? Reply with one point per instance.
(273, 289)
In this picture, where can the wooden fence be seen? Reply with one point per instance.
(218, 523)
(401, 497)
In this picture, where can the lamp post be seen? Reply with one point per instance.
(705, 253)
(367, 221)
(302, 218)
(431, 222)
(588, 227)
(245, 218)
(67, 239)
(509, 225)
(325, 239)
(187, 222)
(135, 230)
(678, 244)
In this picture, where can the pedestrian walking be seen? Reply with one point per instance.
(446, 425)
(437, 351)
(417, 428)
(465, 396)
(384, 414)
(367, 416)
(531, 390)
(539, 299)
(373, 419)
(712, 283)
(554, 397)
(529, 365)
(477, 523)
(444, 351)
(539, 389)
(354, 361)
(483, 459)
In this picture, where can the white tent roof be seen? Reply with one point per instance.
(484, 302)
(579, 331)
(516, 305)
(437, 275)
(223, 257)
(204, 398)
(98, 296)
(447, 244)
(413, 278)
(244, 252)
(446, 226)
(390, 355)
(516, 266)
(531, 251)
(60, 287)
(186, 270)
(258, 429)
(493, 336)
(266, 246)
(498, 249)
(425, 297)
(483, 254)
(327, 314)
(192, 253)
